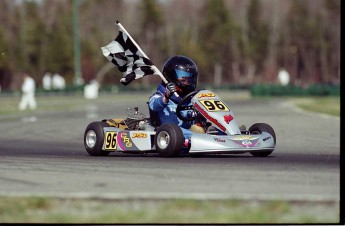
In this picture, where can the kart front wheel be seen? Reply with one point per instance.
(258, 128)
(94, 139)
(169, 140)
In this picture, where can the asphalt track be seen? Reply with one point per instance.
(43, 154)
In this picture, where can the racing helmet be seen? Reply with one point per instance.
(183, 72)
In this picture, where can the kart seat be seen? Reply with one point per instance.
(154, 117)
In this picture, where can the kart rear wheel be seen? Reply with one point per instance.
(258, 128)
(169, 140)
(94, 138)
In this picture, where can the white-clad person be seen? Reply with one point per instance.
(28, 93)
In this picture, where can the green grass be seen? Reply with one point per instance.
(55, 210)
(325, 105)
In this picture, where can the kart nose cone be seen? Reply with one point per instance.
(90, 138)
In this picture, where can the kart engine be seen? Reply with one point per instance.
(135, 119)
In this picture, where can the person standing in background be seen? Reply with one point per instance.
(28, 93)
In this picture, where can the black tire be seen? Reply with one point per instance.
(258, 128)
(94, 146)
(169, 140)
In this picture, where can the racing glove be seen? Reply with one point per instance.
(170, 90)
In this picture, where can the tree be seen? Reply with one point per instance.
(218, 37)
(33, 42)
(257, 37)
(59, 55)
(330, 41)
(97, 31)
(152, 24)
(5, 78)
(304, 43)
(303, 36)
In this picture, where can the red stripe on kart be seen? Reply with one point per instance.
(204, 113)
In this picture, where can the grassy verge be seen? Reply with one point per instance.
(325, 105)
(54, 210)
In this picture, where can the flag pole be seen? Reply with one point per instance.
(156, 70)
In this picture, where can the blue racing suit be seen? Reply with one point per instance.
(167, 111)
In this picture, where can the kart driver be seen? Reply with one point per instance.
(182, 75)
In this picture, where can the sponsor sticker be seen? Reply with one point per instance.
(126, 140)
(139, 135)
(244, 137)
(246, 140)
(201, 95)
(228, 118)
(266, 138)
(219, 140)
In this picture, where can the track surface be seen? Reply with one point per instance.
(47, 157)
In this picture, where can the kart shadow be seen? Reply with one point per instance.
(204, 156)
(230, 156)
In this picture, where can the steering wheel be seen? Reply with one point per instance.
(180, 108)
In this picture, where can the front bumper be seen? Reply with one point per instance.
(205, 143)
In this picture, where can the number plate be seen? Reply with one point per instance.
(110, 141)
(214, 105)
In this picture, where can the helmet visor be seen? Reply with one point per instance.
(185, 78)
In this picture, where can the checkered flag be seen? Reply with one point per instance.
(125, 53)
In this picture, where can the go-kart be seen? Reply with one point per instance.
(214, 131)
